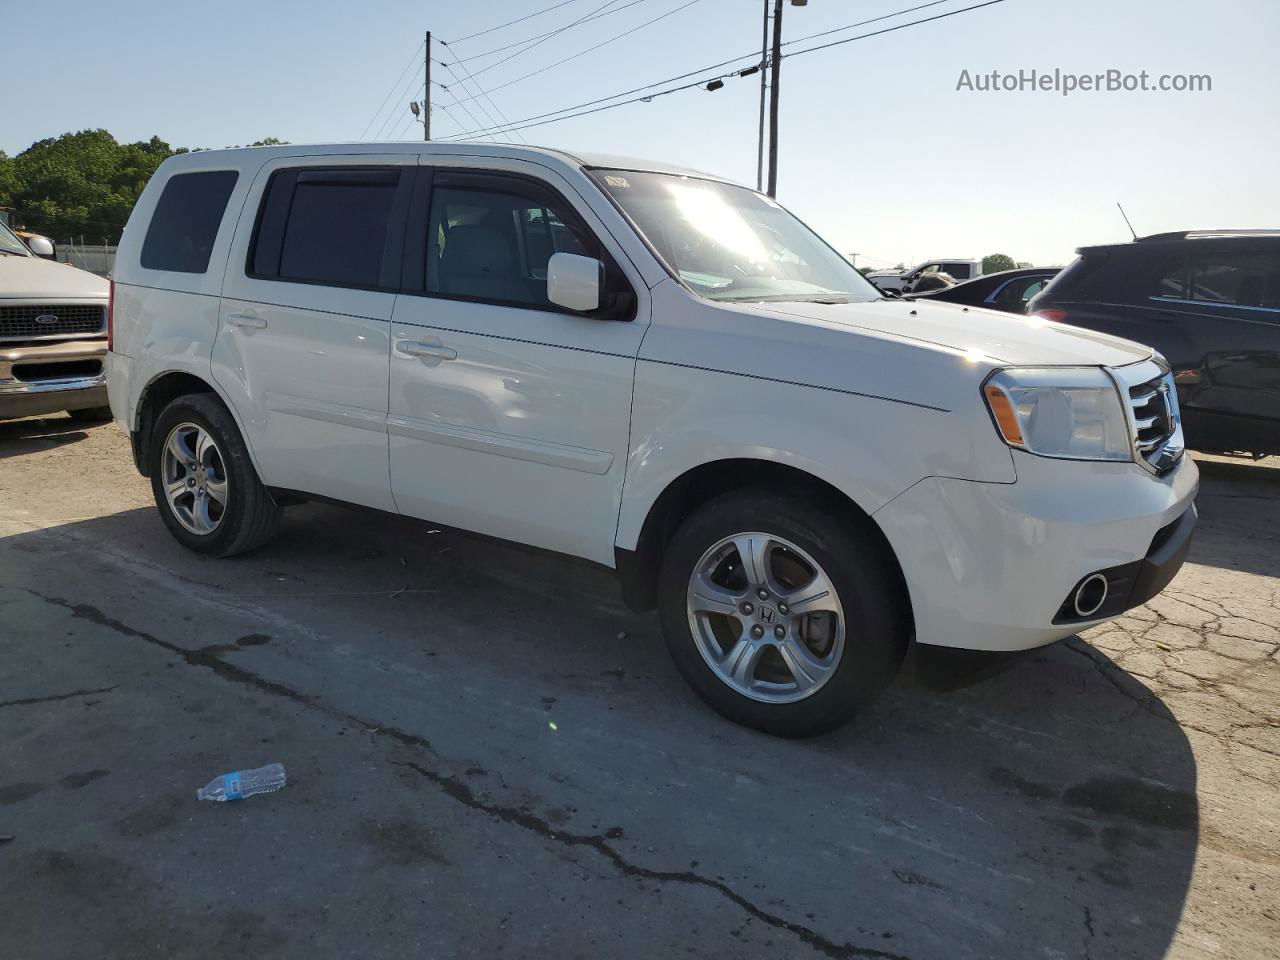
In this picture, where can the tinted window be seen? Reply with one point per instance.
(961, 271)
(1227, 278)
(185, 223)
(489, 238)
(329, 226)
(1243, 279)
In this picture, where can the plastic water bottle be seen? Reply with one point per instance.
(243, 783)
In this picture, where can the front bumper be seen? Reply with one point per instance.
(41, 378)
(989, 566)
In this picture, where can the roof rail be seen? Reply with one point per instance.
(1188, 234)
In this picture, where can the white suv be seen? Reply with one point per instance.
(653, 369)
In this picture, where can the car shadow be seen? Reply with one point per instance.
(1048, 810)
(35, 434)
(1239, 525)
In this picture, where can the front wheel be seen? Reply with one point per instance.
(204, 483)
(782, 616)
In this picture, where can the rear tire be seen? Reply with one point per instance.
(733, 633)
(205, 486)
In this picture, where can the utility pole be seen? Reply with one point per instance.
(764, 85)
(426, 92)
(774, 81)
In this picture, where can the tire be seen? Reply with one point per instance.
(246, 518)
(850, 653)
(90, 414)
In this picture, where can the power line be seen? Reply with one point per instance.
(411, 62)
(544, 38)
(480, 103)
(554, 116)
(723, 63)
(389, 122)
(583, 53)
(549, 33)
(555, 6)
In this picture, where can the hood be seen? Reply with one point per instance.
(1004, 337)
(33, 278)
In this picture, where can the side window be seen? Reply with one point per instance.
(489, 238)
(959, 271)
(185, 222)
(329, 225)
(1170, 278)
(1240, 279)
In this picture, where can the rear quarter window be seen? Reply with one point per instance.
(1084, 278)
(184, 225)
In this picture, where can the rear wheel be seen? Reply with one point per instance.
(779, 616)
(203, 481)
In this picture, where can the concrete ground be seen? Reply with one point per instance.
(489, 756)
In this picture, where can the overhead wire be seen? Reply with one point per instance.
(549, 33)
(509, 23)
(538, 42)
(583, 53)
(569, 113)
(394, 86)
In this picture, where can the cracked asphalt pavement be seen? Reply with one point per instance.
(489, 756)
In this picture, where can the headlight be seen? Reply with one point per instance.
(1069, 412)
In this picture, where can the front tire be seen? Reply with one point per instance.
(782, 616)
(203, 481)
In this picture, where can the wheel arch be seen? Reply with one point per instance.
(638, 569)
(160, 391)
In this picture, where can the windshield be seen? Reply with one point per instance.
(11, 244)
(730, 243)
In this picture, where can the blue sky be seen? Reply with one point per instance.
(879, 151)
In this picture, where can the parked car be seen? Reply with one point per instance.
(1008, 290)
(1208, 300)
(53, 335)
(653, 369)
(905, 281)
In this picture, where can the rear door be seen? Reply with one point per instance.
(510, 416)
(304, 333)
(1213, 308)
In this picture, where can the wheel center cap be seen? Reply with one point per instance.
(766, 614)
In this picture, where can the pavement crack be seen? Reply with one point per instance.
(207, 657)
(54, 697)
(462, 793)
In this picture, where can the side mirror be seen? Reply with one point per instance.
(574, 282)
(41, 247)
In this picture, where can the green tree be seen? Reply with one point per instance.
(995, 262)
(81, 184)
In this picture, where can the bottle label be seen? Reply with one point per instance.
(232, 781)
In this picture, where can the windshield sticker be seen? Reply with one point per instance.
(617, 182)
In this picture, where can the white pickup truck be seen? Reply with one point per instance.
(904, 281)
(53, 334)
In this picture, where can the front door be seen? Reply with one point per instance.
(304, 334)
(508, 415)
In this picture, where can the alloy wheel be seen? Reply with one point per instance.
(194, 477)
(766, 617)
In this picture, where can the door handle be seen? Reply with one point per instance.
(250, 320)
(425, 350)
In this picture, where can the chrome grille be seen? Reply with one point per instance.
(45, 320)
(1153, 414)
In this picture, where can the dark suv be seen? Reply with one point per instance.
(1210, 302)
